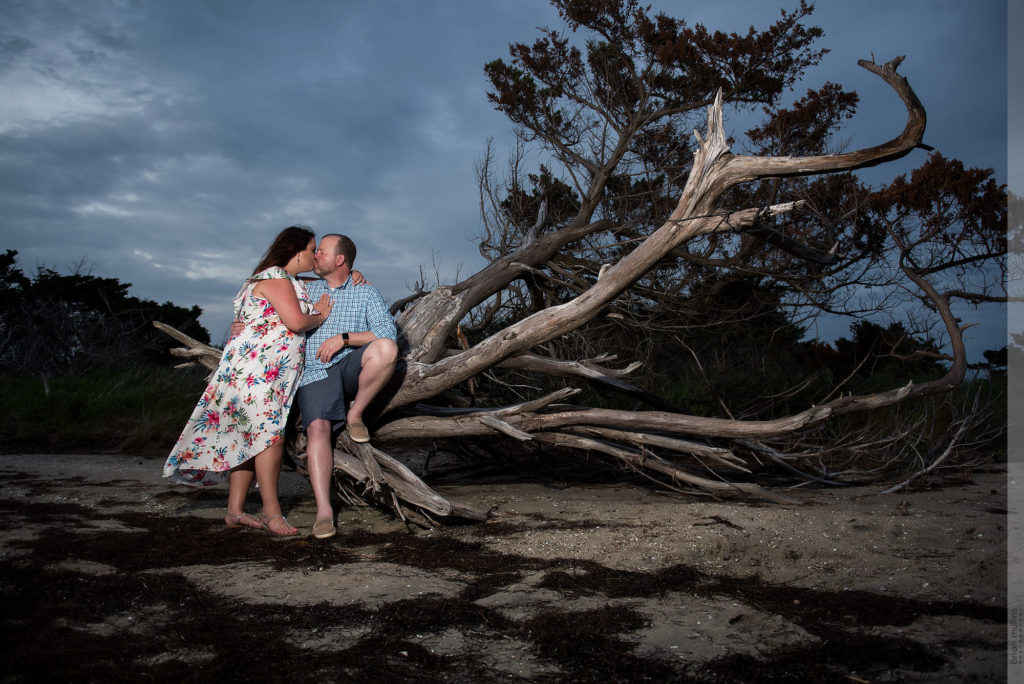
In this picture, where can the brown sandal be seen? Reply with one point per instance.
(242, 520)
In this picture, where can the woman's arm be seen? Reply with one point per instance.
(281, 295)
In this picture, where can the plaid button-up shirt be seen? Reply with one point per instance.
(357, 308)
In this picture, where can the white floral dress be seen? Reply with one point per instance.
(244, 408)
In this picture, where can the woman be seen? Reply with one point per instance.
(237, 428)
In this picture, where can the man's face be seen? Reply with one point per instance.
(325, 261)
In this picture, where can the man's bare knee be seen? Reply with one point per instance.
(390, 350)
(318, 429)
(383, 351)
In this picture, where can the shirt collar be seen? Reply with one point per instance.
(344, 285)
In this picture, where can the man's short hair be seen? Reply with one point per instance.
(345, 247)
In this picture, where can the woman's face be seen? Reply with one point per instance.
(306, 257)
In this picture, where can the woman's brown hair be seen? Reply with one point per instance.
(287, 244)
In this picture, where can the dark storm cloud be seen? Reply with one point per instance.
(1015, 100)
(167, 142)
(12, 47)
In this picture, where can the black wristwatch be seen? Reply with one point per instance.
(344, 340)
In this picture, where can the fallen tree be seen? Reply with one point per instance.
(594, 249)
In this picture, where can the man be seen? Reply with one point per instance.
(350, 357)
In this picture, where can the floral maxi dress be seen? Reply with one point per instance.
(244, 408)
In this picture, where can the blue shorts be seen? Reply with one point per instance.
(328, 398)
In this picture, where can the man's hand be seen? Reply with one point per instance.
(330, 347)
(237, 326)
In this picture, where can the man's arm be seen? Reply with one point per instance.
(378, 318)
(332, 345)
(379, 322)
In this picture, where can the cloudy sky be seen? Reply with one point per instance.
(165, 143)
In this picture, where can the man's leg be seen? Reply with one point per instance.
(378, 365)
(320, 463)
(320, 403)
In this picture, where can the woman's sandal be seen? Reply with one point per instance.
(287, 531)
(242, 520)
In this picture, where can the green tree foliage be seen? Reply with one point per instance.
(54, 323)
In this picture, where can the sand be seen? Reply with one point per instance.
(112, 574)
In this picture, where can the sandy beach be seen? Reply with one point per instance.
(111, 574)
